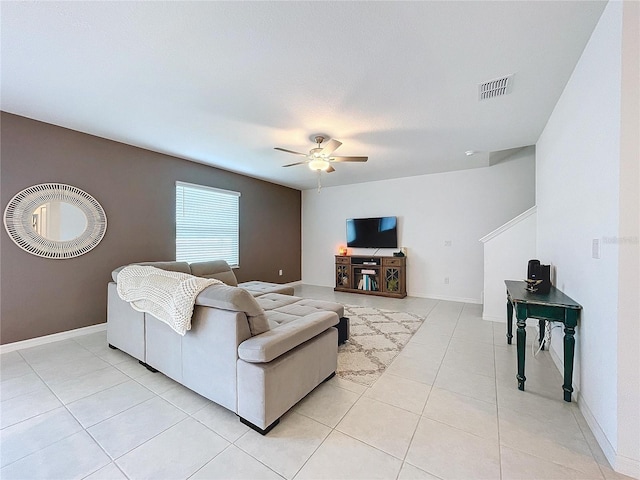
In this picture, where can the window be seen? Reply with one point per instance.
(207, 224)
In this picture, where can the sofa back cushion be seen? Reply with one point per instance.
(218, 269)
(235, 299)
(182, 267)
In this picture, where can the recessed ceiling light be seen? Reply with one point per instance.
(468, 153)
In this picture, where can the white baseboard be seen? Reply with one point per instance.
(493, 318)
(445, 297)
(531, 322)
(304, 282)
(415, 294)
(620, 463)
(627, 466)
(597, 431)
(55, 337)
(559, 363)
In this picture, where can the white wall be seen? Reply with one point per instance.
(577, 191)
(628, 454)
(459, 206)
(507, 252)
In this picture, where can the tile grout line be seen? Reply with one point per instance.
(433, 306)
(72, 416)
(231, 443)
(156, 395)
(554, 462)
(495, 372)
(85, 429)
(404, 459)
(333, 429)
(111, 460)
(588, 444)
(214, 457)
(247, 453)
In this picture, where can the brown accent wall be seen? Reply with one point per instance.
(136, 188)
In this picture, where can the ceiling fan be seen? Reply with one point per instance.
(320, 158)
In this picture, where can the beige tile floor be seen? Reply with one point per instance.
(448, 407)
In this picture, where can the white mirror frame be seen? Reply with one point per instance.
(17, 221)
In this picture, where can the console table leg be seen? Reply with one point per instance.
(509, 321)
(521, 346)
(569, 349)
(541, 326)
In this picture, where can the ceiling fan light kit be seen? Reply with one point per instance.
(319, 164)
(319, 158)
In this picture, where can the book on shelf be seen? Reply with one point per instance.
(367, 283)
(368, 272)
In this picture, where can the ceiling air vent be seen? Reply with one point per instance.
(495, 88)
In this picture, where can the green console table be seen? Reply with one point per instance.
(554, 306)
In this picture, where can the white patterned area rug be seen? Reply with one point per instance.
(376, 337)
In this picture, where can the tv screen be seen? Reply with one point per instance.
(379, 232)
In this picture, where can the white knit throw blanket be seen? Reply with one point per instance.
(168, 296)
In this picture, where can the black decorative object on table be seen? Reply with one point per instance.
(538, 277)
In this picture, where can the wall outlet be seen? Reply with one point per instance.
(595, 248)
(446, 280)
(280, 272)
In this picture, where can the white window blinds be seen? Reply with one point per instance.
(207, 224)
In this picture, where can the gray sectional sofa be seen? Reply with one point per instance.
(259, 377)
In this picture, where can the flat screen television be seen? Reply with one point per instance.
(378, 232)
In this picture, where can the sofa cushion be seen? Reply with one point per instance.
(270, 345)
(286, 306)
(257, 288)
(235, 299)
(323, 305)
(276, 318)
(182, 267)
(218, 269)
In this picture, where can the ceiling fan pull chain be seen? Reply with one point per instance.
(319, 180)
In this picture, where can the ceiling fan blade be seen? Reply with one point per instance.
(349, 159)
(330, 147)
(293, 164)
(290, 151)
(330, 169)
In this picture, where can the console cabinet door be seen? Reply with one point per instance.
(393, 279)
(394, 275)
(343, 275)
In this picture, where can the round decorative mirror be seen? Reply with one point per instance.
(55, 220)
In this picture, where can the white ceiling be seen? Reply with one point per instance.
(222, 83)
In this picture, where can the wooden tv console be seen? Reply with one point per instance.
(384, 276)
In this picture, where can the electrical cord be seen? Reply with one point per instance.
(546, 340)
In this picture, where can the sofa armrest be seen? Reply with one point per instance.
(273, 343)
